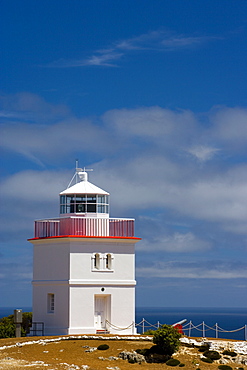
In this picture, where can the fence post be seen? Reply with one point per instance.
(158, 324)
(190, 328)
(203, 329)
(143, 326)
(216, 330)
(245, 329)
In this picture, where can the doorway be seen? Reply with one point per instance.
(101, 311)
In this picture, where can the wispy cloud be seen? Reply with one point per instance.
(176, 243)
(203, 153)
(100, 58)
(159, 41)
(194, 270)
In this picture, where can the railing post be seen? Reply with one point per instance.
(143, 326)
(158, 324)
(245, 332)
(190, 324)
(216, 330)
(203, 329)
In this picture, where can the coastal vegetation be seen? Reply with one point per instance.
(7, 325)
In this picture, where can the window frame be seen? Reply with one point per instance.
(50, 302)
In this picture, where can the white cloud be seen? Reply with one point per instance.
(142, 161)
(29, 107)
(203, 153)
(194, 270)
(177, 243)
(230, 126)
(152, 41)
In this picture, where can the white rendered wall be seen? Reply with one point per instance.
(63, 267)
(55, 323)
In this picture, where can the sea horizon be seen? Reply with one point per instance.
(228, 319)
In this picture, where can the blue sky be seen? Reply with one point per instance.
(152, 96)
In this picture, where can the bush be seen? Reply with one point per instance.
(149, 332)
(213, 355)
(224, 367)
(143, 351)
(230, 353)
(207, 360)
(103, 347)
(153, 355)
(181, 365)
(203, 348)
(173, 362)
(167, 339)
(7, 326)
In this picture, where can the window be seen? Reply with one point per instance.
(96, 263)
(50, 303)
(108, 261)
(84, 203)
(102, 263)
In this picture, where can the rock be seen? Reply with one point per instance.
(91, 349)
(132, 356)
(112, 358)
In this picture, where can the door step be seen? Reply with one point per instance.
(102, 331)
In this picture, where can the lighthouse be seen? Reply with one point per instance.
(84, 265)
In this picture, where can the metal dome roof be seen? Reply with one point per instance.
(84, 186)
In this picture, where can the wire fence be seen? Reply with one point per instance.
(201, 329)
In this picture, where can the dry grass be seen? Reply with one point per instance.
(70, 354)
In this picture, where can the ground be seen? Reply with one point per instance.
(71, 355)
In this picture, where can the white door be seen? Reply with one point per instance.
(100, 312)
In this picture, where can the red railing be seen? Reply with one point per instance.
(84, 226)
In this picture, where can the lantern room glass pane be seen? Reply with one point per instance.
(91, 208)
(91, 199)
(80, 208)
(83, 203)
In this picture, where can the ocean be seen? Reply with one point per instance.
(229, 319)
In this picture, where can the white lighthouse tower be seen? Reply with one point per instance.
(84, 265)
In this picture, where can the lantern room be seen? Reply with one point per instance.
(84, 198)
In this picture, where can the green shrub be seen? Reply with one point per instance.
(224, 367)
(181, 365)
(149, 332)
(103, 347)
(131, 361)
(207, 360)
(167, 339)
(7, 326)
(203, 348)
(173, 362)
(230, 353)
(154, 354)
(213, 355)
(143, 351)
